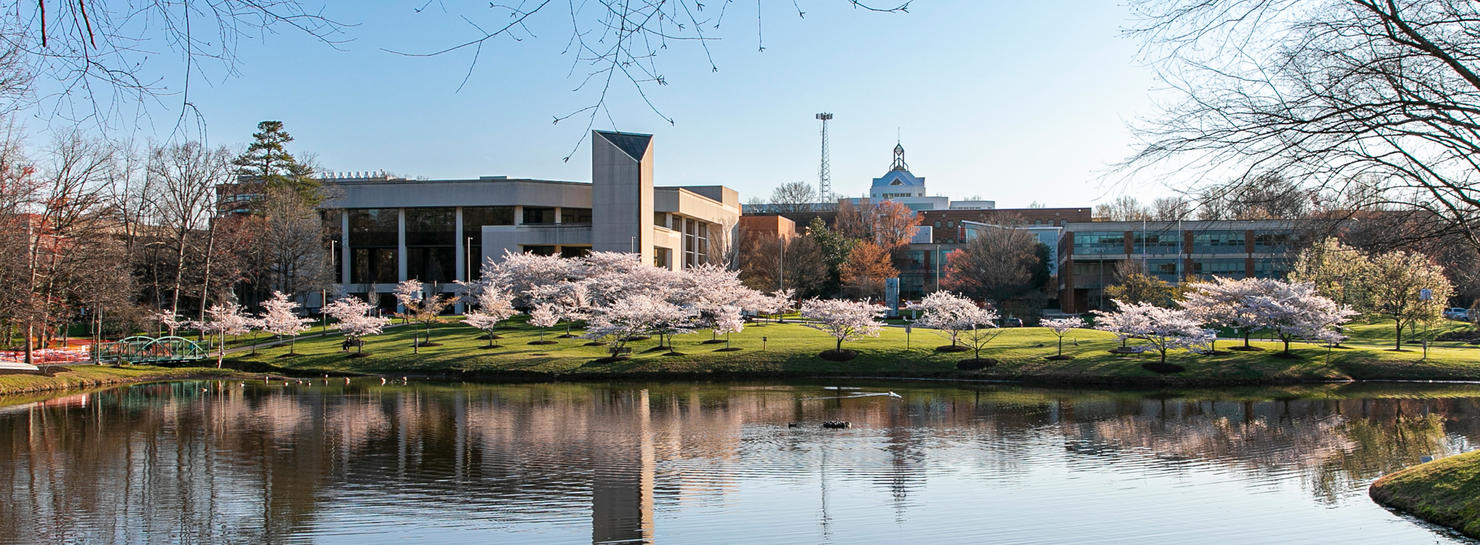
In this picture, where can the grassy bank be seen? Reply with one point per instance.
(1445, 492)
(92, 376)
(791, 350)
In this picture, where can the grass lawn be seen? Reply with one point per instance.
(88, 376)
(1445, 492)
(791, 350)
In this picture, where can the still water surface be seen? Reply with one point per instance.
(327, 462)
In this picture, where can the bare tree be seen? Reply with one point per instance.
(793, 197)
(609, 41)
(185, 176)
(100, 59)
(1378, 96)
(1123, 208)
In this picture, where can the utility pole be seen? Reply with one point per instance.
(824, 174)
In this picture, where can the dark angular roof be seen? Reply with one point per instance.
(635, 145)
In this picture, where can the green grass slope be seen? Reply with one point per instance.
(1445, 492)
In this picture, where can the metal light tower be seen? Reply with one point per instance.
(824, 174)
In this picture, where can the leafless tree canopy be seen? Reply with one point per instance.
(95, 59)
(1378, 97)
(612, 42)
(793, 197)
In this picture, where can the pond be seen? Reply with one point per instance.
(328, 462)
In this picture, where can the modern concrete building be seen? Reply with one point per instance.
(391, 229)
(1090, 253)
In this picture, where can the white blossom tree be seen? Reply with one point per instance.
(1298, 311)
(170, 321)
(1061, 327)
(979, 328)
(948, 314)
(619, 323)
(844, 320)
(356, 321)
(280, 318)
(222, 320)
(1224, 302)
(492, 308)
(408, 295)
(543, 317)
(1162, 329)
(726, 322)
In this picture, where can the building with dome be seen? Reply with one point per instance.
(900, 185)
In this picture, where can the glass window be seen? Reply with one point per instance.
(1218, 242)
(1165, 269)
(1156, 243)
(478, 216)
(1271, 242)
(575, 215)
(1099, 242)
(662, 257)
(660, 219)
(376, 265)
(431, 264)
(1228, 268)
(539, 215)
(431, 227)
(1271, 268)
(373, 227)
(575, 251)
(539, 250)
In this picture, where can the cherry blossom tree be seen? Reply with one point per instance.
(945, 312)
(543, 317)
(355, 320)
(1298, 311)
(408, 293)
(569, 300)
(1061, 327)
(1224, 302)
(622, 321)
(225, 319)
(523, 273)
(492, 308)
(727, 322)
(978, 329)
(170, 321)
(280, 318)
(425, 311)
(1162, 329)
(844, 320)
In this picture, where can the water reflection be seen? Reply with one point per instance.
(702, 463)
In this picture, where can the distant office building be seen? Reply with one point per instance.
(392, 229)
(897, 184)
(1091, 252)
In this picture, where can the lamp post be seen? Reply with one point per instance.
(468, 260)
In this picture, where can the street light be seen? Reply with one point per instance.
(468, 260)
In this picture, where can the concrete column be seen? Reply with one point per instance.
(460, 256)
(344, 251)
(400, 244)
(518, 215)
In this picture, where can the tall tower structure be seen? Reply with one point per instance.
(824, 174)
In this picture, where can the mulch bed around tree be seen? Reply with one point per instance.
(655, 349)
(730, 349)
(567, 336)
(674, 354)
(289, 355)
(713, 341)
(952, 348)
(490, 346)
(428, 343)
(542, 342)
(1124, 350)
(594, 343)
(975, 364)
(838, 355)
(490, 337)
(1163, 368)
(1059, 358)
(1242, 348)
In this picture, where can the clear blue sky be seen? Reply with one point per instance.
(1017, 102)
